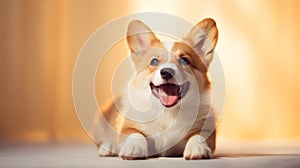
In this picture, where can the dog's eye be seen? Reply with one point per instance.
(154, 62)
(184, 61)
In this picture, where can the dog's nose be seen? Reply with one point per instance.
(167, 73)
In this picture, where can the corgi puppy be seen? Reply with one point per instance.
(166, 110)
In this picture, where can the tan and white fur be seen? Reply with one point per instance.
(171, 79)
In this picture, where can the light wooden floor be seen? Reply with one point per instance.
(84, 156)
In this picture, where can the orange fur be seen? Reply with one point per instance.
(197, 47)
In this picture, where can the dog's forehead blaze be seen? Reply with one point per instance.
(160, 51)
(180, 48)
(142, 59)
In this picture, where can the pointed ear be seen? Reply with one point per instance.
(139, 36)
(203, 38)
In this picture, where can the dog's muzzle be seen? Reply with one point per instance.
(167, 73)
(169, 93)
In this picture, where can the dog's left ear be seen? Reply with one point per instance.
(203, 38)
(139, 36)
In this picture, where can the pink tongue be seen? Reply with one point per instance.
(168, 94)
(167, 100)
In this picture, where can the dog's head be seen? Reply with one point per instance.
(169, 71)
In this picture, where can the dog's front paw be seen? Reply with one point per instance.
(106, 149)
(197, 152)
(197, 148)
(135, 147)
(133, 152)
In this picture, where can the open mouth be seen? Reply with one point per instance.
(168, 93)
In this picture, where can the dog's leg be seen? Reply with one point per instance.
(198, 147)
(135, 147)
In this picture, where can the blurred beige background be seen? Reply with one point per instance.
(258, 46)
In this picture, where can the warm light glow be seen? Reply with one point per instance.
(258, 49)
(258, 46)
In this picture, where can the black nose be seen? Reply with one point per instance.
(167, 73)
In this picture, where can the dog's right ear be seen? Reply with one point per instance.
(139, 36)
(203, 39)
